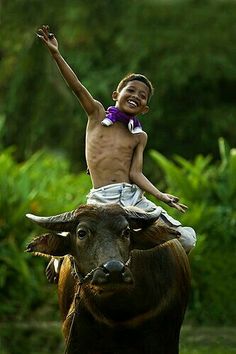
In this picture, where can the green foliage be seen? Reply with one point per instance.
(187, 49)
(45, 337)
(35, 337)
(210, 192)
(184, 47)
(42, 185)
(208, 349)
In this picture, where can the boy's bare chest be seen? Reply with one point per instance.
(114, 138)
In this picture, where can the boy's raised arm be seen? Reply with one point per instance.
(89, 104)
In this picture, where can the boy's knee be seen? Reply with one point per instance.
(188, 237)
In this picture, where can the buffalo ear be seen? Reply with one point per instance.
(51, 244)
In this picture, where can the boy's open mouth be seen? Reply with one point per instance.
(133, 103)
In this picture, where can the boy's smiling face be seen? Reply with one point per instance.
(132, 99)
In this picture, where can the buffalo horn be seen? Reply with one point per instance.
(60, 222)
(138, 215)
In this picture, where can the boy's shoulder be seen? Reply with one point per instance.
(98, 111)
(143, 137)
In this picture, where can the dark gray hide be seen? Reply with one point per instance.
(134, 285)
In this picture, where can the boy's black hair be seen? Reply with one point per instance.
(138, 77)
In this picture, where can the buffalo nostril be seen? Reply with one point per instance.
(118, 272)
(101, 280)
(99, 277)
(127, 278)
(114, 266)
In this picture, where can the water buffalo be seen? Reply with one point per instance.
(124, 281)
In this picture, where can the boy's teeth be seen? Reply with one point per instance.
(133, 103)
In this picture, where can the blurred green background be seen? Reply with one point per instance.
(187, 49)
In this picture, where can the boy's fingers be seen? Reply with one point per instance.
(179, 206)
(40, 31)
(45, 30)
(41, 34)
(183, 206)
(175, 199)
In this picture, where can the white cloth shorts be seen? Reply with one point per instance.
(126, 194)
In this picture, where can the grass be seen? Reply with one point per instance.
(207, 350)
(44, 338)
(208, 340)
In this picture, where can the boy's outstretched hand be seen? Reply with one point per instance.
(173, 201)
(48, 38)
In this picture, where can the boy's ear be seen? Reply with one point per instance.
(115, 95)
(145, 110)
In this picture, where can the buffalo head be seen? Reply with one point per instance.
(98, 238)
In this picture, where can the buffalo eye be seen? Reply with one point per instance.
(126, 232)
(81, 233)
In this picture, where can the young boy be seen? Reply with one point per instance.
(115, 143)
